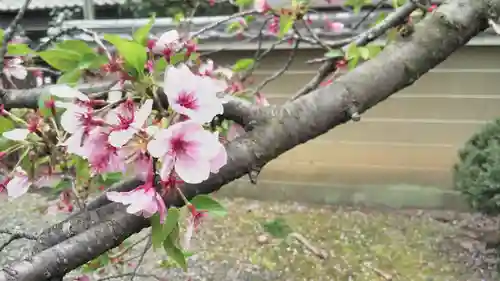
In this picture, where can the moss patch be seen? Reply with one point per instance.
(370, 246)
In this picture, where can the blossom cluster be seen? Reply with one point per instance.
(125, 136)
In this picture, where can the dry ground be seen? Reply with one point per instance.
(350, 244)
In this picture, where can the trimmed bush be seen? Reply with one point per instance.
(477, 174)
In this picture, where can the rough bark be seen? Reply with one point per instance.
(297, 122)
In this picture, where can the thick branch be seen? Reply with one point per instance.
(397, 67)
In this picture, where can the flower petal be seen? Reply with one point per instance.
(121, 137)
(16, 134)
(192, 170)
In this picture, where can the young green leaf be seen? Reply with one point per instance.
(70, 77)
(286, 22)
(233, 27)
(374, 50)
(5, 124)
(61, 59)
(111, 178)
(174, 252)
(206, 203)
(352, 51)
(133, 52)
(77, 46)
(92, 61)
(141, 35)
(364, 53)
(160, 65)
(243, 64)
(173, 216)
(19, 50)
(178, 17)
(160, 232)
(2, 32)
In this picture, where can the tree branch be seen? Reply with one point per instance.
(368, 36)
(297, 122)
(9, 33)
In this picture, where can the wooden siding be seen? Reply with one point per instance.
(412, 138)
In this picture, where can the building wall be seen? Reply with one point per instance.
(412, 138)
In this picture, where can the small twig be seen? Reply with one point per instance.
(386, 276)
(141, 258)
(126, 250)
(11, 30)
(224, 20)
(282, 70)
(301, 239)
(373, 9)
(361, 40)
(15, 235)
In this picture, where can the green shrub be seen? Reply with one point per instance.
(477, 174)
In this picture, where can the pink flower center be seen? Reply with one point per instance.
(187, 100)
(178, 145)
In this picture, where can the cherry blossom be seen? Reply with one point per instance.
(142, 200)
(18, 184)
(189, 149)
(102, 156)
(192, 95)
(16, 134)
(166, 43)
(126, 122)
(206, 68)
(14, 68)
(68, 95)
(78, 121)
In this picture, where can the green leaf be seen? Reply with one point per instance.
(352, 51)
(160, 65)
(60, 186)
(364, 53)
(78, 46)
(233, 27)
(243, 64)
(141, 35)
(178, 17)
(2, 32)
(81, 166)
(173, 216)
(244, 3)
(92, 61)
(353, 63)
(206, 203)
(277, 228)
(157, 236)
(111, 178)
(133, 52)
(173, 250)
(42, 99)
(286, 22)
(71, 77)
(335, 53)
(161, 232)
(19, 50)
(61, 59)
(249, 19)
(6, 124)
(374, 50)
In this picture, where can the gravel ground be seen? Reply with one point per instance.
(361, 245)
